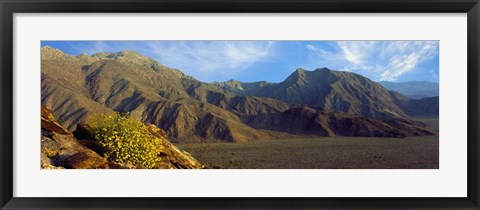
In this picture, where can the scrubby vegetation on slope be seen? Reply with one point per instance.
(125, 140)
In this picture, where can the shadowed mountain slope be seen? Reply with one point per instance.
(76, 87)
(329, 90)
(306, 120)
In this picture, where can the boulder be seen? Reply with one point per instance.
(171, 156)
(49, 147)
(83, 160)
(50, 124)
(83, 132)
(91, 144)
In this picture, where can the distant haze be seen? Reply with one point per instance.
(414, 89)
(273, 61)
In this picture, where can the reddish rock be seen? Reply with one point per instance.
(83, 160)
(170, 156)
(50, 124)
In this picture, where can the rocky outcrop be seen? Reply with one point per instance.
(49, 123)
(61, 149)
(84, 160)
(58, 145)
(170, 155)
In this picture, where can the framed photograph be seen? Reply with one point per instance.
(239, 104)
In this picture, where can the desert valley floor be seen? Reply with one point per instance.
(322, 153)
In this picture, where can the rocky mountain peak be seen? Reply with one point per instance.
(129, 54)
(134, 58)
(125, 54)
(297, 77)
(300, 70)
(50, 53)
(323, 69)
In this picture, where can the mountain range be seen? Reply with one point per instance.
(413, 89)
(321, 102)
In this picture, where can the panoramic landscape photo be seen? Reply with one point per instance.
(239, 105)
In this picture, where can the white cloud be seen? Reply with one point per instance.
(206, 59)
(356, 51)
(407, 57)
(382, 60)
(324, 53)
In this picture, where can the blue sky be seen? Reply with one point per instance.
(273, 61)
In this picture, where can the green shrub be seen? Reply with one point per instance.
(125, 140)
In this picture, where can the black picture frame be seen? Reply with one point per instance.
(9, 7)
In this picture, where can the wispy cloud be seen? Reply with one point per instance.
(204, 60)
(382, 60)
(211, 58)
(275, 60)
(91, 47)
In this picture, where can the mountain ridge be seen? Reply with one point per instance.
(190, 110)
